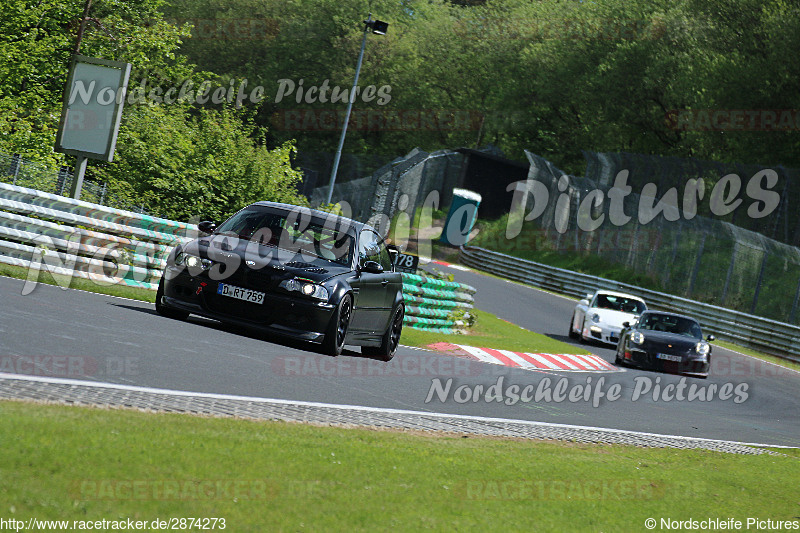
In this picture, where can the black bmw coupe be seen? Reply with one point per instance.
(666, 342)
(294, 271)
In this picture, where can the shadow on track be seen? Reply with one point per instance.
(242, 331)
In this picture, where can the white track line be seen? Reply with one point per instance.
(170, 392)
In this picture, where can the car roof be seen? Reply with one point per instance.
(676, 315)
(316, 213)
(614, 293)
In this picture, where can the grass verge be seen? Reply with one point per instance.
(74, 282)
(492, 332)
(70, 463)
(758, 355)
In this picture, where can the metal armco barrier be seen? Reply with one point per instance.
(751, 331)
(76, 238)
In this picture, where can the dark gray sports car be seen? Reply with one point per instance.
(666, 342)
(294, 271)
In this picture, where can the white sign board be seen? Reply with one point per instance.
(92, 108)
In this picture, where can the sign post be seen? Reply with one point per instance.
(91, 112)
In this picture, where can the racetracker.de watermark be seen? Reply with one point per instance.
(378, 119)
(70, 366)
(421, 364)
(561, 490)
(174, 489)
(229, 28)
(733, 119)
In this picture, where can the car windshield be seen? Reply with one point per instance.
(293, 231)
(619, 303)
(670, 324)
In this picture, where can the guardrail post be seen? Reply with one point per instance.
(696, 265)
(794, 304)
(61, 181)
(16, 163)
(675, 242)
(730, 272)
(758, 283)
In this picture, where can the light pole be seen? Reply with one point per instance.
(80, 161)
(377, 27)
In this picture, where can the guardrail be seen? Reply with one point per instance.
(769, 336)
(112, 246)
(433, 304)
(76, 238)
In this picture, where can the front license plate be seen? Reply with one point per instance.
(667, 357)
(240, 294)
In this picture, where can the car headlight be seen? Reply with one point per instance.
(595, 318)
(192, 261)
(637, 337)
(702, 348)
(306, 287)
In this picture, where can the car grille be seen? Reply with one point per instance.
(262, 280)
(257, 313)
(298, 264)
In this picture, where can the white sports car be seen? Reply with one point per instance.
(599, 316)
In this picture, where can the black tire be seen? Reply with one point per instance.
(572, 334)
(163, 310)
(618, 360)
(333, 343)
(390, 339)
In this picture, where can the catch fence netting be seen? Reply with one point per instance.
(19, 171)
(708, 259)
(782, 224)
(403, 185)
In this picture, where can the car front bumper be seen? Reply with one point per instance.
(282, 314)
(648, 359)
(602, 333)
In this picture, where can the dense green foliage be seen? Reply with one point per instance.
(553, 77)
(176, 160)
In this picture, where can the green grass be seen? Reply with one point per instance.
(492, 332)
(758, 355)
(75, 282)
(73, 463)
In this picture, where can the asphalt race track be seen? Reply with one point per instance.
(87, 336)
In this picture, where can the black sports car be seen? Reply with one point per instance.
(294, 271)
(667, 342)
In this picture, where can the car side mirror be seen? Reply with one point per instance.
(584, 302)
(207, 226)
(711, 338)
(626, 324)
(372, 267)
(394, 252)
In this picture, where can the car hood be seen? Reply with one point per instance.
(249, 254)
(668, 342)
(611, 317)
